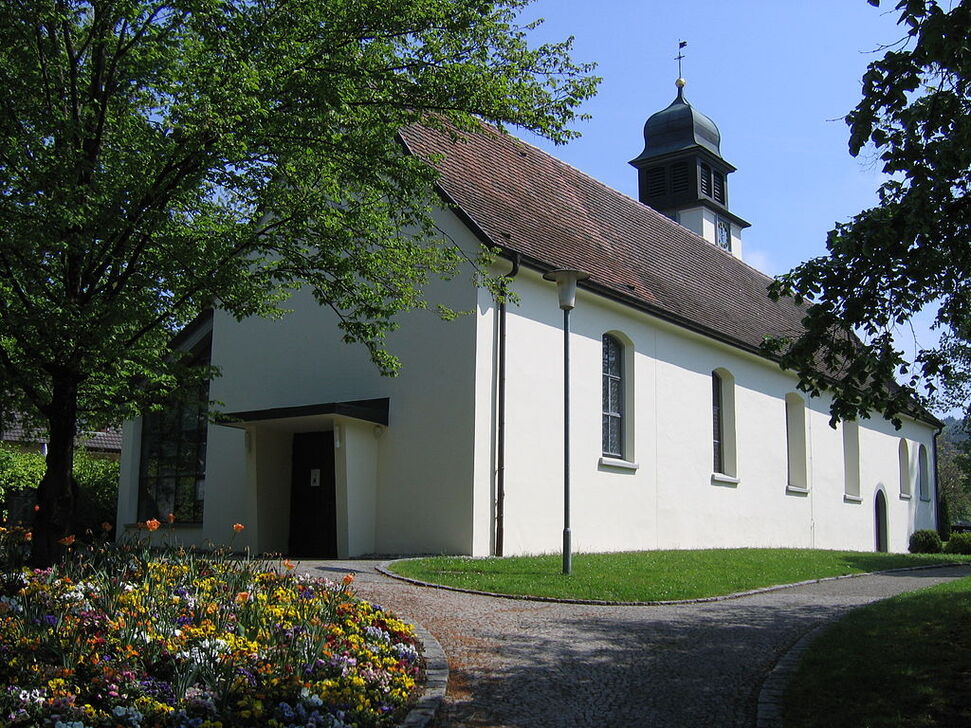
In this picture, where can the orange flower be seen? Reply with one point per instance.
(289, 565)
(153, 524)
(105, 526)
(242, 597)
(348, 578)
(237, 527)
(67, 540)
(171, 518)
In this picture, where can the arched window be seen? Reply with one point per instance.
(923, 474)
(613, 397)
(796, 441)
(723, 422)
(851, 458)
(903, 461)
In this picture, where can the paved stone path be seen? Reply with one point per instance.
(519, 664)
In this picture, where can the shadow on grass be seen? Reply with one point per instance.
(903, 663)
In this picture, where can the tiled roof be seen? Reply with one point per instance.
(106, 441)
(526, 201)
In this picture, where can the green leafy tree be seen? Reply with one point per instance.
(159, 157)
(909, 252)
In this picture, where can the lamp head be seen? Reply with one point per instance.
(566, 285)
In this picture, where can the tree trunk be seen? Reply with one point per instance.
(57, 494)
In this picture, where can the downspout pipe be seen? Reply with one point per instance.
(501, 417)
(937, 482)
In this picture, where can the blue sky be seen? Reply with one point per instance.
(776, 77)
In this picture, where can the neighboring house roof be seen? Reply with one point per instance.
(106, 441)
(523, 200)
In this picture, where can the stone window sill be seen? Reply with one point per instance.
(905, 496)
(847, 498)
(796, 490)
(617, 464)
(727, 480)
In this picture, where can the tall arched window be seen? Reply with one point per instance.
(796, 441)
(613, 397)
(723, 422)
(903, 463)
(851, 459)
(923, 474)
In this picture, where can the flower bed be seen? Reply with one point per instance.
(124, 636)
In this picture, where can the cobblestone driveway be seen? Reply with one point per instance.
(518, 664)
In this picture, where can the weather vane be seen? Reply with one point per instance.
(680, 56)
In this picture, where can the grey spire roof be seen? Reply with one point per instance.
(678, 127)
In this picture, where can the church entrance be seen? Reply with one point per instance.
(313, 496)
(880, 528)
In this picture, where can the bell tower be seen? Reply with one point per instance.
(682, 174)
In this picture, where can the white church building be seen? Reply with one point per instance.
(683, 434)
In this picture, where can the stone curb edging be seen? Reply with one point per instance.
(383, 569)
(436, 680)
(768, 711)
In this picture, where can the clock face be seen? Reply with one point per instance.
(723, 234)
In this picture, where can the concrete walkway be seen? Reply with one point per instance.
(519, 664)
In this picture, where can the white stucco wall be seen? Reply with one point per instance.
(671, 500)
(427, 482)
(418, 483)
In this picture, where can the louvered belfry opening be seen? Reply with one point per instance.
(681, 167)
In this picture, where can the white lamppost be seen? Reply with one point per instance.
(566, 288)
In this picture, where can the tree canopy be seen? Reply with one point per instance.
(160, 157)
(912, 250)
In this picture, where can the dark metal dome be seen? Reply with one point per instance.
(680, 126)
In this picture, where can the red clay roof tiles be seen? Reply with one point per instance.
(529, 202)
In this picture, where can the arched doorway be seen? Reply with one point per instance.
(880, 512)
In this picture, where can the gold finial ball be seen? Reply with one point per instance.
(680, 83)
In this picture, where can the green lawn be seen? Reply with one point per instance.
(902, 663)
(653, 575)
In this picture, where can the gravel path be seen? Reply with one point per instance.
(519, 664)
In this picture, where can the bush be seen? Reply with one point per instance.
(944, 519)
(959, 543)
(21, 470)
(926, 541)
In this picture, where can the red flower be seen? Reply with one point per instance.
(237, 527)
(153, 524)
(67, 540)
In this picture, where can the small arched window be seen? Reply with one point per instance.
(903, 463)
(923, 474)
(613, 397)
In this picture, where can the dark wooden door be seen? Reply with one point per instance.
(880, 513)
(313, 496)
